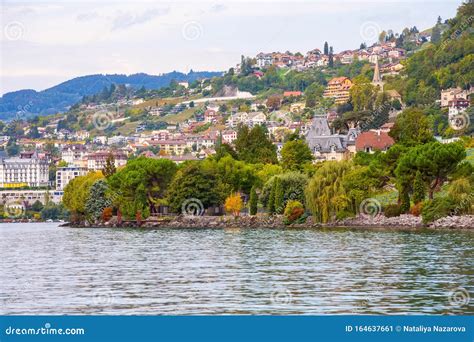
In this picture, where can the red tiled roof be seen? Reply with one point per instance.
(375, 140)
(292, 93)
(337, 80)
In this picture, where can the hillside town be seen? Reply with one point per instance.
(192, 121)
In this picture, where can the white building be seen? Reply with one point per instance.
(102, 139)
(229, 136)
(82, 135)
(117, 140)
(249, 119)
(256, 118)
(65, 174)
(264, 59)
(26, 170)
(73, 154)
(28, 197)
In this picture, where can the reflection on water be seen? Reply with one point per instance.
(50, 270)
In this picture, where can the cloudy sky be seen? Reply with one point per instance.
(44, 43)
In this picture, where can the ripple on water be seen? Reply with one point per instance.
(51, 270)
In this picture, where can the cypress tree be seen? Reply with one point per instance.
(419, 190)
(405, 201)
(253, 201)
(279, 197)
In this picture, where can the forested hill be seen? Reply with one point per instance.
(58, 98)
(446, 63)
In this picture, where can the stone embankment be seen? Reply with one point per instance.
(408, 221)
(277, 221)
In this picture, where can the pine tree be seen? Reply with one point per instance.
(419, 189)
(279, 194)
(253, 201)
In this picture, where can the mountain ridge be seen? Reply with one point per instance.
(58, 98)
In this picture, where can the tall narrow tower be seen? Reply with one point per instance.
(377, 80)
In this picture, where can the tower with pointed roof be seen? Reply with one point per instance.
(377, 80)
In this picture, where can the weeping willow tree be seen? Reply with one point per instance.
(337, 189)
(325, 194)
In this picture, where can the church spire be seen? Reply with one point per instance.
(377, 80)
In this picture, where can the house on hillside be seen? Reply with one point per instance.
(264, 59)
(451, 94)
(326, 145)
(457, 106)
(374, 140)
(338, 89)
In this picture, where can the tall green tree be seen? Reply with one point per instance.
(362, 94)
(435, 161)
(271, 199)
(412, 128)
(254, 146)
(141, 185)
(419, 188)
(196, 184)
(279, 197)
(253, 201)
(97, 200)
(325, 193)
(76, 194)
(295, 154)
(293, 184)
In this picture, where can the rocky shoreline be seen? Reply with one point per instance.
(277, 221)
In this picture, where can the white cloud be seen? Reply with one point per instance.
(70, 38)
(126, 19)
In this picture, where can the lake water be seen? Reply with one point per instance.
(46, 269)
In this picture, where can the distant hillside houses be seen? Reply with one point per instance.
(315, 58)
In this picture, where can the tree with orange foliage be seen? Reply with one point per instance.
(106, 214)
(234, 204)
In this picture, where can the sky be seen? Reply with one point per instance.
(43, 43)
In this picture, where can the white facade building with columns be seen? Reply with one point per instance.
(26, 170)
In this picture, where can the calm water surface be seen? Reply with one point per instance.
(46, 269)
